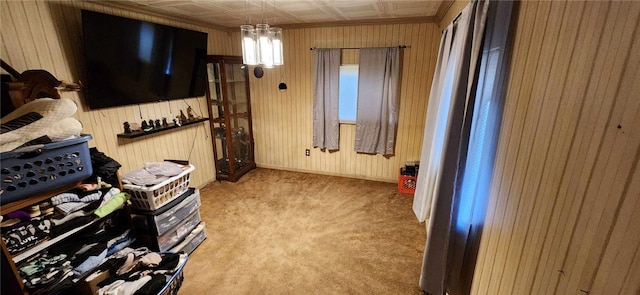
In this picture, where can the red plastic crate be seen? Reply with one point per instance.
(407, 184)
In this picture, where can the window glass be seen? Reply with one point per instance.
(348, 93)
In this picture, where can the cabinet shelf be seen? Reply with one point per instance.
(231, 102)
(237, 115)
(228, 81)
(171, 126)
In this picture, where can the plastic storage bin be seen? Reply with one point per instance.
(170, 238)
(35, 169)
(193, 240)
(407, 184)
(154, 197)
(167, 217)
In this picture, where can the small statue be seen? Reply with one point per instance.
(183, 119)
(175, 122)
(127, 127)
(190, 114)
(147, 126)
(158, 123)
(164, 122)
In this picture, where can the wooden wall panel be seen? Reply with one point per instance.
(563, 212)
(47, 35)
(283, 121)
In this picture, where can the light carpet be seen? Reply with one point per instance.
(281, 232)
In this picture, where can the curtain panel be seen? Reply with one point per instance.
(377, 110)
(434, 129)
(453, 101)
(326, 124)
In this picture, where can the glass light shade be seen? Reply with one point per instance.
(276, 43)
(265, 48)
(249, 50)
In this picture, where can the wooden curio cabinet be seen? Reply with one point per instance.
(230, 116)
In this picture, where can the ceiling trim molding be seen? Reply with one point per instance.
(443, 9)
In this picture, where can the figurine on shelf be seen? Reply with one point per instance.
(175, 122)
(164, 122)
(191, 115)
(146, 127)
(158, 123)
(127, 127)
(183, 118)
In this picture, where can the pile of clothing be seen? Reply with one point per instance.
(26, 232)
(153, 173)
(53, 271)
(138, 271)
(105, 168)
(23, 229)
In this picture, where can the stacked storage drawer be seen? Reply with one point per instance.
(172, 225)
(192, 240)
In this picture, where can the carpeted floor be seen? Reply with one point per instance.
(280, 232)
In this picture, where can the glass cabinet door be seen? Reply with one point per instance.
(238, 113)
(229, 106)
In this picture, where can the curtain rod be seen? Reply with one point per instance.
(399, 46)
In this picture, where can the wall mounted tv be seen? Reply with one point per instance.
(131, 61)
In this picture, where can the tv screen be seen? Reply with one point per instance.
(131, 61)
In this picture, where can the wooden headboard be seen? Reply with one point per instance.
(29, 85)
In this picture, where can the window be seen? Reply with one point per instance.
(483, 140)
(348, 94)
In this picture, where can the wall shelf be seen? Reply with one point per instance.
(171, 126)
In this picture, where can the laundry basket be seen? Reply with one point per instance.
(35, 169)
(153, 197)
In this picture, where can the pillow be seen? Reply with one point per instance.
(21, 125)
(56, 131)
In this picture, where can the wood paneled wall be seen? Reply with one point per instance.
(563, 213)
(283, 121)
(48, 35)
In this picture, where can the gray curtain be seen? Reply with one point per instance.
(326, 125)
(477, 151)
(377, 111)
(467, 34)
(435, 126)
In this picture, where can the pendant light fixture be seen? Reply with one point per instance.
(249, 49)
(262, 45)
(276, 43)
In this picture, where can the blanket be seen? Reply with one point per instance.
(42, 118)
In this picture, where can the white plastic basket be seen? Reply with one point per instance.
(153, 197)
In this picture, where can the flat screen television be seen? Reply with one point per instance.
(132, 62)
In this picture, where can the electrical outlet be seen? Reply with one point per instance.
(307, 152)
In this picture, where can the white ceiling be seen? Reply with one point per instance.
(233, 13)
